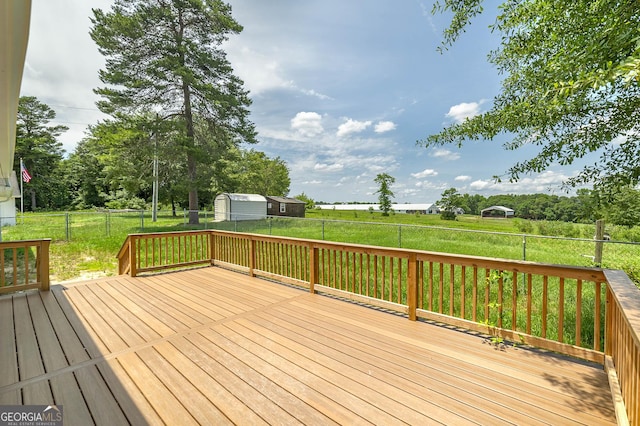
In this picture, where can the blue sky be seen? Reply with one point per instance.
(341, 91)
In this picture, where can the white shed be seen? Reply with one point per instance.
(229, 206)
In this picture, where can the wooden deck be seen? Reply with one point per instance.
(211, 346)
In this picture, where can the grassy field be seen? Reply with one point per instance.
(85, 243)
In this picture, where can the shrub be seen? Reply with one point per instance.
(524, 226)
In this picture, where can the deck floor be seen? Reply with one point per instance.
(211, 346)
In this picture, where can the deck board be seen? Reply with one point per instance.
(211, 346)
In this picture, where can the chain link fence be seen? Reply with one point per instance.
(75, 226)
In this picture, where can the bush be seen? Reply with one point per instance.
(524, 226)
(447, 215)
(558, 229)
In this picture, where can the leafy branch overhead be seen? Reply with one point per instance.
(571, 86)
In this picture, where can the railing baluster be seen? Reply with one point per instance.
(463, 281)
(561, 310)
(452, 280)
(474, 294)
(399, 296)
(596, 325)
(529, 300)
(545, 297)
(431, 286)
(578, 313)
(441, 288)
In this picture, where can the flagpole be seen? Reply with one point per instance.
(21, 191)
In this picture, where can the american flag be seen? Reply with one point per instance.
(26, 177)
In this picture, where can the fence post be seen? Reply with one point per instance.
(141, 220)
(524, 246)
(67, 227)
(597, 258)
(399, 236)
(322, 229)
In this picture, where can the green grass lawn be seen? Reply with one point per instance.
(85, 244)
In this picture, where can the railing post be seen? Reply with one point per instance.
(252, 256)
(608, 322)
(212, 247)
(133, 262)
(412, 286)
(313, 267)
(43, 270)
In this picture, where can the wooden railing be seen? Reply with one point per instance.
(166, 250)
(622, 344)
(560, 308)
(24, 265)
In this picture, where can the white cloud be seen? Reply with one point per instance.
(430, 185)
(307, 124)
(479, 185)
(336, 167)
(424, 173)
(385, 126)
(259, 71)
(462, 178)
(464, 110)
(544, 182)
(352, 126)
(312, 92)
(444, 154)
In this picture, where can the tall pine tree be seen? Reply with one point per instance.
(166, 56)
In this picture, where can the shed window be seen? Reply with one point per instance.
(269, 205)
(283, 208)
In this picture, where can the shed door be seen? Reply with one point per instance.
(222, 208)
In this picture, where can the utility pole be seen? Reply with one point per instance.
(154, 214)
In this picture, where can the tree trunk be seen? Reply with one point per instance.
(191, 159)
(193, 190)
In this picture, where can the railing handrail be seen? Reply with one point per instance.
(568, 271)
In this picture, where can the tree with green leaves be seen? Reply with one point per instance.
(37, 145)
(251, 171)
(449, 203)
(309, 202)
(571, 86)
(166, 56)
(384, 192)
(624, 208)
